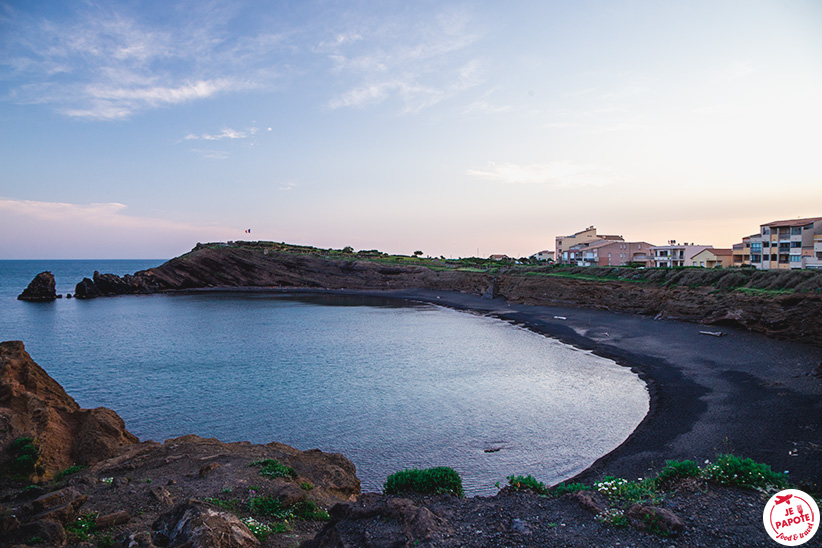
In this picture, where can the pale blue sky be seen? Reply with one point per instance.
(137, 129)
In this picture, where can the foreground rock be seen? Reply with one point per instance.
(144, 494)
(41, 289)
(35, 406)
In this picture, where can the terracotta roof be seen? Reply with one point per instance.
(793, 222)
(719, 252)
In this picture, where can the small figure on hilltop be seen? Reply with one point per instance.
(41, 289)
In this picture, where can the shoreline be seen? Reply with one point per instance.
(742, 393)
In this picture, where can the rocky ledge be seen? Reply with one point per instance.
(72, 481)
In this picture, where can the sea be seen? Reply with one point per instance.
(390, 384)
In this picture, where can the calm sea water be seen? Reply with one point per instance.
(391, 385)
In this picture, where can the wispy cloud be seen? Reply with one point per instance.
(226, 133)
(558, 174)
(106, 63)
(420, 65)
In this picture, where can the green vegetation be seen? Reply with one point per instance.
(428, 481)
(83, 527)
(232, 505)
(269, 507)
(309, 511)
(69, 471)
(677, 469)
(259, 530)
(25, 457)
(524, 483)
(272, 468)
(622, 490)
(732, 470)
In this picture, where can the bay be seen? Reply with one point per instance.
(389, 384)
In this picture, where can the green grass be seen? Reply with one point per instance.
(272, 468)
(429, 481)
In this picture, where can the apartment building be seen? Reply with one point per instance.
(713, 258)
(544, 255)
(741, 255)
(579, 240)
(792, 243)
(674, 254)
(611, 253)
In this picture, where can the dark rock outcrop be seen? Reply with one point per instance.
(85, 289)
(381, 522)
(42, 288)
(195, 524)
(34, 405)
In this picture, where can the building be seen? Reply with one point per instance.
(543, 256)
(581, 238)
(741, 255)
(793, 243)
(499, 257)
(611, 253)
(713, 258)
(674, 254)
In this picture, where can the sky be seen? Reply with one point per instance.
(138, 129)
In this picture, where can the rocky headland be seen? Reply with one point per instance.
(785, 305)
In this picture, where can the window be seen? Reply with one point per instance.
(796, 230)
(756, 247)
(796, 258)
(766, 244)
(766, 230)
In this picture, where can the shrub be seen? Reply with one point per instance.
(677, 469)
(427, 481)
(274, 469)
(268, 506)
(521, 483)
(732, 470)
(83, 526)
(309, 511)
(25, 453)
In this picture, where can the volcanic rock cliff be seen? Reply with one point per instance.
(695, 295)
(33, 405)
